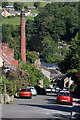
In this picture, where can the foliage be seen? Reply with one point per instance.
(60, 20)
(49, 51)
(11, 35)
(17, 79)
(71, 63)
(32, 56)
(55, 22)
(18, 6)
(54, 83)
(35, 74)
(46, 82)
(37, 4)
(4, 4)
(26, 7)
(3, 78)
(73, 86)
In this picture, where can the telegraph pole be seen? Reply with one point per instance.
(3, 72)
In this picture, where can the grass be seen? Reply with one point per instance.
(15, 20)
(34, 11)
(30, 3)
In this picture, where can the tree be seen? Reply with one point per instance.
(46, 82)
(37, 4)
(71, 64)
(34, 73)
(16, 80)
(4, 4)
(32, 56)
(35, 43)
(26, 7)
(18, 6)
(60, 20)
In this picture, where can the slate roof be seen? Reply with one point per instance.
(49, 65)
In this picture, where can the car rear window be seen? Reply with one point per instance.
(24, 90)
(64, 94)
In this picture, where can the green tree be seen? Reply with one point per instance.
(17, 79)
(34, 73)
(59, 19)
(32, 56)
(37, 4)
(71, 63)
(11, 35)
(46, 82)
(18, 6)
(26, 7)
(4, 4)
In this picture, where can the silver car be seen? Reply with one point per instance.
(33, 90)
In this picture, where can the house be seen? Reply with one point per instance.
(7, 55)
(7, 12)
(10, 7)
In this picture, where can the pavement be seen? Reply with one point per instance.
(75, 115)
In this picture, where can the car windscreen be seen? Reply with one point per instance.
(25, 90)
(64, 94)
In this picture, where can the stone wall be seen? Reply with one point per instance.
(8, 98)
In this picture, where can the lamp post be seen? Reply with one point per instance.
(3, 68)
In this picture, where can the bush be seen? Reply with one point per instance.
(45, 82)
(37, 4)
(73, 86)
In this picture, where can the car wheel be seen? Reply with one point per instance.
(30, 97)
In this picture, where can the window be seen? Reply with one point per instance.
(64, 94)
(25, 90)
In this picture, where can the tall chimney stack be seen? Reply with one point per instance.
(23, 41)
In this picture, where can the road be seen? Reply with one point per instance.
(40, 106)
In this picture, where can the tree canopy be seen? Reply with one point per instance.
(36, 4)
(71, 64)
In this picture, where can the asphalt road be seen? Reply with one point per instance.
(40, 106)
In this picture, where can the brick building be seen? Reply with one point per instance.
(7, 55)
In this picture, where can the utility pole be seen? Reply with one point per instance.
(3, 72)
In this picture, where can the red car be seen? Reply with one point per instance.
(25, 92)
(64, 97)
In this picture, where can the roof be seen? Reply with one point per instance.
(65, 91)
(30, 87)
(10, 6)
(49, 65)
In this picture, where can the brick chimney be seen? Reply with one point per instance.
(23, 41)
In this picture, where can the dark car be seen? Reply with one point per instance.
(25, 92)
(41, 91)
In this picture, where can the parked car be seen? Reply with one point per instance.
(33, 90)
(64, 97)
(56, 88)
(48, 89)
(25, 92)
(41, 91)
(66, 88)
(53, 90)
